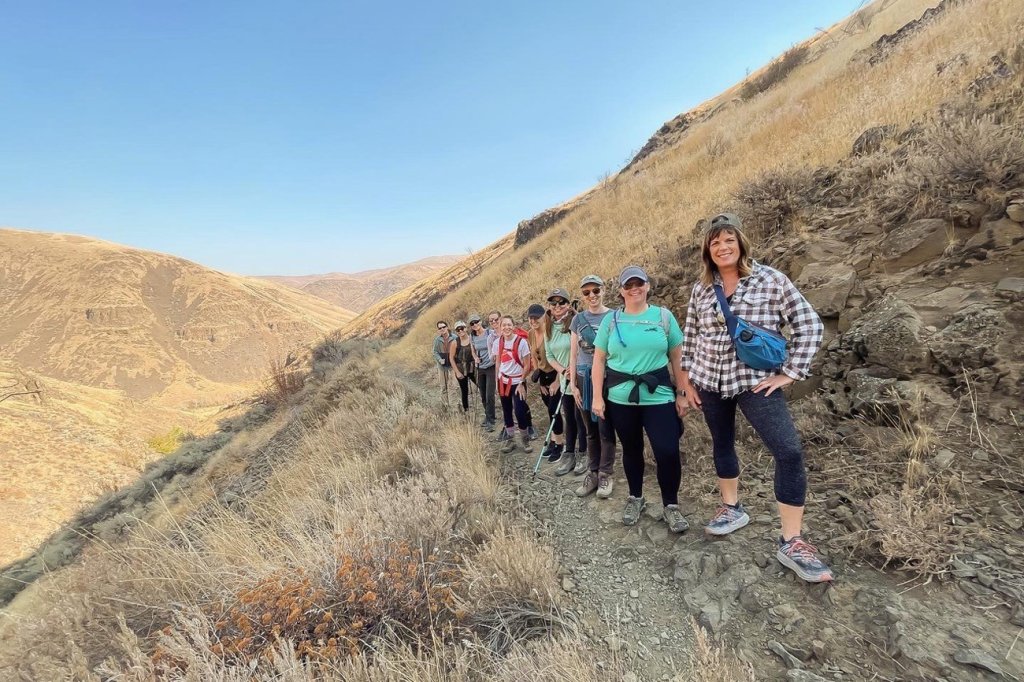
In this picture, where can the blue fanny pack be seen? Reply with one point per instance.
(756, 346)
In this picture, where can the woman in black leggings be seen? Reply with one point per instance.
(461, 354)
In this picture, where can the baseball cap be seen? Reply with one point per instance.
(459, 323)
(535, 310)
(473, 317)
(559, 293)
(630, 272)
(591, 279)
(730, 220)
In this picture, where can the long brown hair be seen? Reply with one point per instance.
(549, 321)
(746, 261)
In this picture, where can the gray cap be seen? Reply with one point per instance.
(591, 279)
(730, 220)
(559, 293)
(474, 317)
(632, 272)
(459, 323)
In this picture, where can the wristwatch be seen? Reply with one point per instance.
(681, 393)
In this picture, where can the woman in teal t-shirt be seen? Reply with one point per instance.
(556, 348)
(637, 365)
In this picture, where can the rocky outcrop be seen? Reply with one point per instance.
(530, 229)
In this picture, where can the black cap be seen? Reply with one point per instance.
(535, 310)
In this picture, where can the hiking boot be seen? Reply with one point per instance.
(531, 433)
(509, 443)
(524, 442)
(604, 486)
(504, 435)
(673, 516)
(582, 464)
(566, 463)
(588, 485)
(802, 558)
(489, 425)
(553, 451)
(727, 519)
(634, 508)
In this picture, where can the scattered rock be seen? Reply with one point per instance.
(1013, 285)
(788, 659)
(615, 643)
(942, 459)
(657, 533)
(803, 676)
(568, 585)
(915, 243)
(978, 659)
(1015, 212)
(827, 286)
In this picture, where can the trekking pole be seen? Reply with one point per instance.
(551, 426)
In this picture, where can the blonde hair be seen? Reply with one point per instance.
(746, 261)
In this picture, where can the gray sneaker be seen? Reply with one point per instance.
(532, 432)
(524, 441)
(588, 485)
(674, 518)
(802, 558)
(727, 519)
(582, 464)
(604, 486)
(508, 445)
(566, 463)
(634, 508)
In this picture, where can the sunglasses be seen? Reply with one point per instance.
(559, 302)
(460, 329)
(591, 292)
(442, 326)
(633, 284)
(474, 323)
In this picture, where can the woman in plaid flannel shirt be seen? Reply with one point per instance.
(716, 382)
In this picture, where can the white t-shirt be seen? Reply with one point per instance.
(507, 365)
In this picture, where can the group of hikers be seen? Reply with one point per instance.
(614, 375)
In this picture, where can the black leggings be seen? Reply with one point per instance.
(514, 406)
(575, 427)
(464, 391)
(600, 443)
(551, 403)
(771, 419)
(664, 428)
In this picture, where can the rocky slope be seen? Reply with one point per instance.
(358, 291)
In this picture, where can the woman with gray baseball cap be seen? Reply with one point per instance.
(636, 368)
(557, 348)
(600, 435)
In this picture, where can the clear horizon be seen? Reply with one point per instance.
(324, 138)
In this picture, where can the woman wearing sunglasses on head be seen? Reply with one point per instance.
(636, 368)
(461, 356)
(600, 436)
(546, 378)
(557, 348)
(735, 292)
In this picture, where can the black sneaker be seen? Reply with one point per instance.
(553, 452)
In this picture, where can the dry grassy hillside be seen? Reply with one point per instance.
(360, 290)
(122, 346)
(355, 531)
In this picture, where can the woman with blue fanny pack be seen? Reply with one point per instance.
(601, 437)
(734, 356)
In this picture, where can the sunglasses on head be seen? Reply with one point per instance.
(633, 284)
(591, 292)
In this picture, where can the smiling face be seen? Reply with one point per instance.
(725, 250)
(492, 320)
(507, 325)
(592, 295)
(635, 290)
(558, 306)
(534, 323)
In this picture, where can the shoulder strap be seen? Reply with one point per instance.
(723, 305)
(666, 326)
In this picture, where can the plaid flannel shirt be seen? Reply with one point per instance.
(766, 298)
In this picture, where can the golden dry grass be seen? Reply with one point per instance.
(809, 119)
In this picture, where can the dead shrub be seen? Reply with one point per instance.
(380, 590)
(775, 73)
(708, 663)
(285, 378)
(914, 527)
(950, 162)
(773, 202)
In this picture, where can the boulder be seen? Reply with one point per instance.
(997, 234)
(915, 243)
(969, 340)
(892, 335)
(827, 286)
(1015, 211)
(1011, 285)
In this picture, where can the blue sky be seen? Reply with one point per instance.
(292, 138)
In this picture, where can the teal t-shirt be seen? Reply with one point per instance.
(558, 345)
(646, 349)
